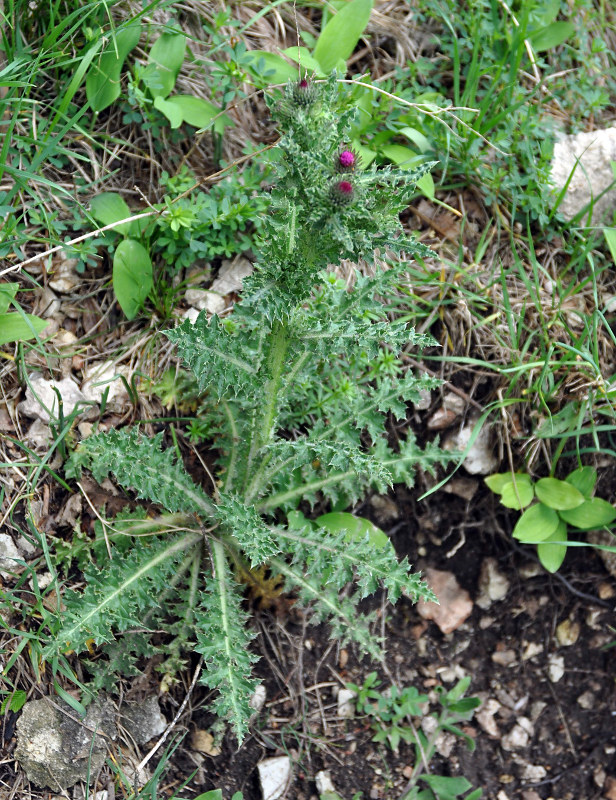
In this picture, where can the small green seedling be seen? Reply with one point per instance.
(560, 505)
(391, 714)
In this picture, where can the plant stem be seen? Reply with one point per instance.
(262, 430)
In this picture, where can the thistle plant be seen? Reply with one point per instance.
(298, 383)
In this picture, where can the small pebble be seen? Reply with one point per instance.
(504, 657)
(556, 667)
(586, 700)
(567, 633)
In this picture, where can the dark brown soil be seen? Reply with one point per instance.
(574, 743)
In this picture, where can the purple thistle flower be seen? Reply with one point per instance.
(346, 160)
(342, 193)
(304, 93)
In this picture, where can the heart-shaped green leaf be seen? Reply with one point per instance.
(164, 62)
(357, 527)
(559, 495)
(536, 524)
(132, 276)
(594, 513)
(103, 78)
(518, 493)
(109, 207)
(552, 555)
(584, 480)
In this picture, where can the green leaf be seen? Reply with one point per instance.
(417, 138)
(499, 480)
(584, 480)
(19, 327)
(103, 78)
(341, 34)
(559, 495)
(301, 55)
(426, 185)
(356, 527)
(262, 62)
(171, 111)
(215, 794)
(517, 493)
(14, 701)
(110, 207)
(551, 35)
(594, 513)
(536, 524)
(199, 112)
(365, 153)
(132, 276)
(446, 788)
(610, 238)
(164, 62)
(401, 156)
(553, 555)
(7, 293)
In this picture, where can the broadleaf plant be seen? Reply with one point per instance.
(294, 333)
(561, 505)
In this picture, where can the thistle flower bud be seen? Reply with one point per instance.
(304, 93)
(342, 193)
(346, 160)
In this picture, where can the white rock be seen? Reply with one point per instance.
(532, 773)
(516, 739)
(588, 157)
(556, 667)
(64, 278)
(485, 717)
(586, 700)
(191, 314)
(25, 546)
(48, 303)
(480, 458)
(103, 375)
(453, 402)
(9, 555)
(346, 706)
(274, 776)
(257, 701)
(202, 299)
(38, 435)
(324, 783)
(531, 650)
(41, 399)
(493, 585)
(102, 795)
(231, 276)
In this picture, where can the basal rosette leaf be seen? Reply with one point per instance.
(223, 639)
(117, 595)
(139, 463)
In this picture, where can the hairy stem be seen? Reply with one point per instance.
(262, 431)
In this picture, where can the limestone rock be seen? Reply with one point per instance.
(42, 401)
(102, 376)
(274, 776)
(202, 299)
(231, 276)
(587, 156)
(480, 459)
(56, 751)
(346, 705)
(65, 277)
(9, 555)
(493, 585)
(144, 720)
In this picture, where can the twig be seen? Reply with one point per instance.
(173, 722)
